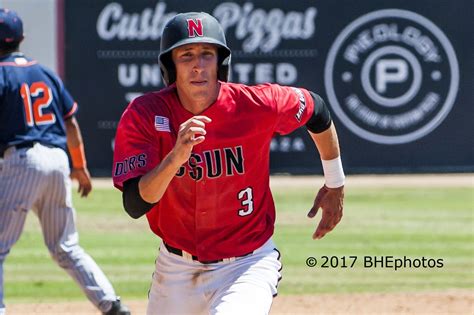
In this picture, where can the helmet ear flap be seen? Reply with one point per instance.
(167, 68)
(223, 66)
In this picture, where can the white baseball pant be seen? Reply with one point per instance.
(37, 178)
(245, 285)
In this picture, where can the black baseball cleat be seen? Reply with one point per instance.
(118, 309)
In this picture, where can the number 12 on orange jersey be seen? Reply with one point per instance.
(34, 112)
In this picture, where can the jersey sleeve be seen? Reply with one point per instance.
(294, 106)
(135, 152)
(69, 105)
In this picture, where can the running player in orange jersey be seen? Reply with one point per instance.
(195, 158)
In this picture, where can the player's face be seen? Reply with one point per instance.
(196, 73)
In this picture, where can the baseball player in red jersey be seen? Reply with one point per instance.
(195, 158)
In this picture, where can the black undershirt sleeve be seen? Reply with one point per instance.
(133, 203)
(321, 119)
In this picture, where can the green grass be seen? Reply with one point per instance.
(425, 222)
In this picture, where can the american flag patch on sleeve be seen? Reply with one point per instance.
(162, 123)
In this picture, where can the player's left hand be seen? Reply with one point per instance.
(331, 201)
(84, 179)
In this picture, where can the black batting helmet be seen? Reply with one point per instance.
(188, 28)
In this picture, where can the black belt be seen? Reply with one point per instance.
(179, 252)
(18, 146)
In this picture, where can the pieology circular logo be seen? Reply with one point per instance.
(391, 76)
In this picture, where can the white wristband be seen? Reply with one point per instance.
(333, 172)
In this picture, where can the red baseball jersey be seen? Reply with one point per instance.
(219, 203)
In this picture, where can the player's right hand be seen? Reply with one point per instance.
(84, 179)
(191, 133)
(331, 201)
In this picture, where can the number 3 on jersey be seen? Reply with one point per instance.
(34, 112)
(246, 198)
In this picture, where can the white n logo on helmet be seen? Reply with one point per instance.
(194, 27)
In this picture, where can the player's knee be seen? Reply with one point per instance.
(61, 258)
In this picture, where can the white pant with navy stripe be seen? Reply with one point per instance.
(245, 285)
(37, 178)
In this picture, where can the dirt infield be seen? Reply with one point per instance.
(450, 302)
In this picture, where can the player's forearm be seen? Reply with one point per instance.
(327, 143)
(73, 133)
(75, 144)
(328, 147)
(153, 185)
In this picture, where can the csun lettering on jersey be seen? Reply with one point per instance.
(209, 164)
(214, 163)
